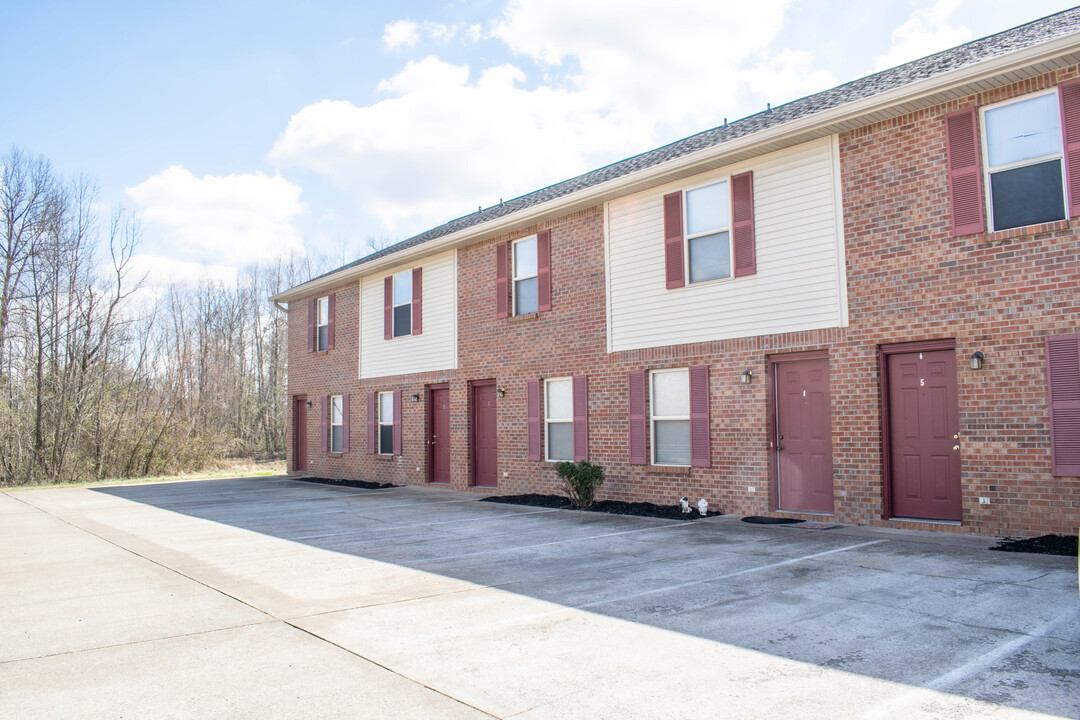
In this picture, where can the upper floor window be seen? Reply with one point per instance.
(670, 416)
(386, 423)
(559, 418)
(526, 299)
(403, 298)
(1024, 163)
(708, 236)
(322, 331)
(337, 424)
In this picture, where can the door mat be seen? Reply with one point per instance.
(762, 520)
(814, 526)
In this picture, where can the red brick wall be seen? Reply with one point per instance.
(908, 280)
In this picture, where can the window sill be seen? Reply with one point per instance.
(525, 317)
(995, 237)
(667, 469)
(336, 454)
(381, 456)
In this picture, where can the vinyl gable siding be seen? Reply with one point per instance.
(436, 347)
(798, 285)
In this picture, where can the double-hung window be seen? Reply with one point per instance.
(526, 298)
(1024, 162)
(337, 424)
(708, 232)
(559, 418)
(670, 416)
(322, 330)
(403, 298)
(386, 423)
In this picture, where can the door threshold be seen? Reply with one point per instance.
(927, 520)
(816, 513)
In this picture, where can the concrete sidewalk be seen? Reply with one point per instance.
(267, 597)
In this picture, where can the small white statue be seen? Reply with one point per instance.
(703, 507)
(685, 502)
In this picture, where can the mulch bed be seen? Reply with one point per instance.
(612, 507)
(346, 483)
(1045, 545)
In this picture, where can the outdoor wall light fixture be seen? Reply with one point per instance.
(416, 397)
(501, 392)
(747, 376)
(977, 360)
(308, 404)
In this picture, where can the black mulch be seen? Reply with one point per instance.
(613, 507)
(763, 520)
(346, 483)
(1045, 545)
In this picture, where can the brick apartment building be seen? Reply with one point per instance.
(863, 304)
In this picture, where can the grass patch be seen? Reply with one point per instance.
(240, 468)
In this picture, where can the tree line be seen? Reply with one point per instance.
(103, 376)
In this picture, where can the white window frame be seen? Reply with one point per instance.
(380, 422)
(653, 417)
(394, 306)
(687, 237)
(337, 403)
(515, 279)
(987, 170)
(549, 421)
(322, 320)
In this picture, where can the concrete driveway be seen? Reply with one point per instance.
(270, 598)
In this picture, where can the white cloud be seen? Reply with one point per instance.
(401, 33)
(925, 32)
(608, 78)
(232, 219)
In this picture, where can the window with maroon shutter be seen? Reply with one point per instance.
(673, 241)
(581, 418)
(312, 312)
(417, 301)
(1063, 372)
(965, 175)
(743, 242)
(636, 393)
(700, 451)
(502, 280)
(559, 418)
(388, 307)
(322, 323)
(331, 303)
(372, 423)
(397, 422)
(543, 270)
(387, 423)
(669, 408)
(1070, 127)
(532, 410)
(337, 424)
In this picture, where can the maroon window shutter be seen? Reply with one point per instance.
(1063, 372)
(637, 418)
(312, 311)
(326, 422)
(502, 280)
(581, 418)
(332, 302)
(742, 224)
(417, 301)
(543, 270)
(397, 422)
(345, 423)
(372, 426)
(673, 241)
(965, 172)
(388, 308)
(1070, 129)
(532, 403)
(700, 455)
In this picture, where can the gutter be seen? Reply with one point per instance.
(657, 174)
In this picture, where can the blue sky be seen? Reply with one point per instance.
(240, 131)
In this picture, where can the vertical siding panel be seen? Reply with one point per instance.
(673, 241)
(372, 426)
(700, 452)
(417, 301)
(533, 420)
(1070, 129)
(1063, 372)
(543, 270)
(638, 454)
(581, 418)
(502, 280)
(965, 172)
(397, 422)
(742, 226)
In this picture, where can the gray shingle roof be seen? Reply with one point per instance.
(1025, 36)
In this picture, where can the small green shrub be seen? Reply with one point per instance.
(580, 481)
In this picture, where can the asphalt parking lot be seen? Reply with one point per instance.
(266, 597)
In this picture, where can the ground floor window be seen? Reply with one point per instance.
(386, 423)
(670, 416)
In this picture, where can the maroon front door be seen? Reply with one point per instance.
(924, 435)
(300, 433)
(804, 469)
(439, 441)
(484, 435)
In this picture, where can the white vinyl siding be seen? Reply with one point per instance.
(433, 349)
(798, 285)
